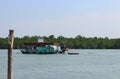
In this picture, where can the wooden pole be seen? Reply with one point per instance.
(10, 47)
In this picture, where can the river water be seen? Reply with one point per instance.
(89, 64)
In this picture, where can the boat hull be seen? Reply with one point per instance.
(36, 52)
(73, 53)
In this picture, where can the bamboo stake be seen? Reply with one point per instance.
(10, 47)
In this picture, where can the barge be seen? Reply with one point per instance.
(43, 48)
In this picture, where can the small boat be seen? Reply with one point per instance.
(73, 53)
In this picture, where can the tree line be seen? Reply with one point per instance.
(78, 42)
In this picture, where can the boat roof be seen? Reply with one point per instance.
(41, 43)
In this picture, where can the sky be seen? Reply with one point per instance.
(69, 18)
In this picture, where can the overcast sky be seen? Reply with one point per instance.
(68, 18)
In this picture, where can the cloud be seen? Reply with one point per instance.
(73, 20)
(91, 24)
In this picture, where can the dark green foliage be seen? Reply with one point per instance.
(76, 43)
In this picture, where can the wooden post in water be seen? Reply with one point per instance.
(10, 47)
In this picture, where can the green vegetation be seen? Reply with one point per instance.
(76, 43)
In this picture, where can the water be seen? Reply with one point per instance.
(89, 64)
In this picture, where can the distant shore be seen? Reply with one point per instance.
(78, 42)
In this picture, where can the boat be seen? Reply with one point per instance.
(73, 53)
(43, 48)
